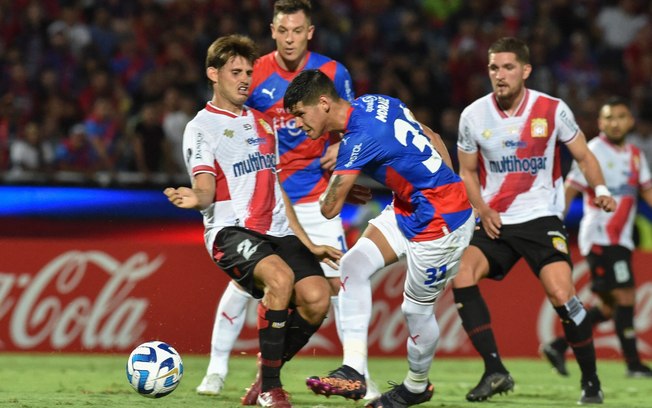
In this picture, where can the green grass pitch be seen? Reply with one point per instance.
(96, 380)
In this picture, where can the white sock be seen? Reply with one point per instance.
(424, 335)
(335, 303)
(356, 268)
(229, 319)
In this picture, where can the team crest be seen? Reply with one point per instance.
(560, 244)
(539, 127)
(266, 126)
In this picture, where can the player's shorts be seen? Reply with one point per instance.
(237, 251)
(321, 230)
(611, 268)
(540, 241)
(430, 264)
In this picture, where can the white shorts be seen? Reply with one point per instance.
(321, 230)
(430, 264)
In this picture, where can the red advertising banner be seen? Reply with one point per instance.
(112, 293)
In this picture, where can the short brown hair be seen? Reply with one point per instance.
(511, 44)
(227, 47)
(293, 6)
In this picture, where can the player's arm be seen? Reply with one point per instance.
(199, 197)
(489, 217)
(438, 144)
(325, 253)
(590, 167)
(339, 186)
(646, 195)
(329, 159)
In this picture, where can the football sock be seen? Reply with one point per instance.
(356, 268)
(477, 324)
(421, 343)
(594, 315)
(335, 304)
(624, 322)
(272, 329)
(578, 331)
(298, 334)
(229, 319)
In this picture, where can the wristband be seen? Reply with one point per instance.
(602, 190)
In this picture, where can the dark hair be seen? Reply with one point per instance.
(514, 45)
(307, 87)
(227, 47)
(292, 6)
(616, 101)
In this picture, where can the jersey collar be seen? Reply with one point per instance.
(518, 112)
(214, 109)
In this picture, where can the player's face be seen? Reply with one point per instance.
(232, 82)
(507, 76)
(310, 118)
(292, 33)
(615, 121)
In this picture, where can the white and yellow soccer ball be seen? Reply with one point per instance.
(154, 369)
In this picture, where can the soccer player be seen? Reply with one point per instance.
(248, 218)
(605, 239)
(430, 222)
(304, 166)
(510, 164)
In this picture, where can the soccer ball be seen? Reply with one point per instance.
(154, 369)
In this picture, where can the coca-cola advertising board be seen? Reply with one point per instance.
(109, 294)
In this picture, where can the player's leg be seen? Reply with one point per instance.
(229, 320)
(557, 282)
(379, 246)
(430, 266)
(266, 276)
(476, 320)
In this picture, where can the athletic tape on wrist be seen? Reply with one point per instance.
(602, 190)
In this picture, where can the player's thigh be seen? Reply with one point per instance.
(432, 264)
(487, 258)
(387, 235)
(237, 251)
(322, 231)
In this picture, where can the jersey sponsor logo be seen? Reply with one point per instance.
(513, 164)
(485, 133)
(539, 127)
(257, 141)
(568, 121)
(198, 142)
(289, 124)
(255, 162)
(514, 144)
(229, 133)
(369, 102)
(354, 155)
(383, 109)
(268, 92)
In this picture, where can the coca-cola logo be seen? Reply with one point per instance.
(54, 305)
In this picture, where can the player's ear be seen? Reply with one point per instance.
(527, 70)
(211, 73)
(311, 31)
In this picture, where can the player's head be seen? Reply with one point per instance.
(615, 119)
(309, 98)
(292, 29)
(229, 65)
(509, 67)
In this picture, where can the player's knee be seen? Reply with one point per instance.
(312, 295)
(572, 310)
(279, 284)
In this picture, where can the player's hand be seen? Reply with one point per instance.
(490, 222)
(606, 203)
(182, 197)
(358, 195)
(327, 254)
(329, 158)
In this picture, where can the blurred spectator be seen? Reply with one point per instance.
(74, 153)
(180, 108)
(103, 131)
(30, 153)
(149, 144)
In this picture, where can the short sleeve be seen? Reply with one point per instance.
(567, 127)
(465, 139)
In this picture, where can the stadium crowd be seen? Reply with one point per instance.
(100, 91)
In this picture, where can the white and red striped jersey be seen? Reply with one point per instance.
(626, 172)
(240, 151)
(518, 156)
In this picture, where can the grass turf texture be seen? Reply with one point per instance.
(95, 380)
